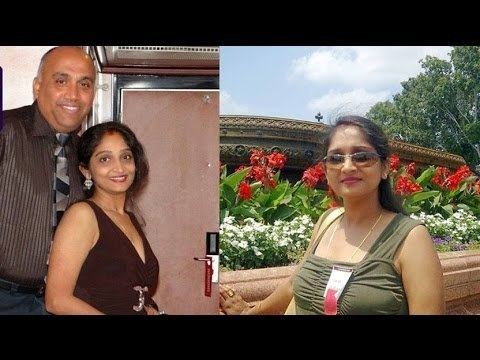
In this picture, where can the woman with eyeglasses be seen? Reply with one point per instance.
(366, 257)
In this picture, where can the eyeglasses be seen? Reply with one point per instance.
(360, 159)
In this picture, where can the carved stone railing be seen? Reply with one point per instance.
(425, 156)
(303, 143)
(299, 140)
(461, 273)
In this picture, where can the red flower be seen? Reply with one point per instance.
(439, 177)
(405, 186)
(258, 173)
(394, 162)
(313, 175)
(309, 180)
(411, 169)
(269, 182)
(263, 174)
(258, 157)
(454, 180)
(276, 160)
(244, 191)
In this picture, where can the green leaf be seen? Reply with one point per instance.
(463, 186)
(234, 179)
(227, 193)
(463, 206)
(256, 185)
(277, 176)
(448, 208)
(262, 198)
(411, 209)
(425, 176)
(298, 184)
(286, 198)
(224, 172)
(283, 212)
(245, 211)
(420, 196)
(277, 194)
(325, 201)
(223, 214)
(303, 198)
(452, 194)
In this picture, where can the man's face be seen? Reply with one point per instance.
(65, 88)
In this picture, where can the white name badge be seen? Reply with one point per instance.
(338, 279)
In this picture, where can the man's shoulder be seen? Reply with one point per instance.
(17, 117)
(21, 112)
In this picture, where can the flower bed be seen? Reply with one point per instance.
(461, 231)
(266, 221)
(250, 244)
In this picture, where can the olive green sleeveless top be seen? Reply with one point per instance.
(375, 286)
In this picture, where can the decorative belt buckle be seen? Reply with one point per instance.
(141, 297)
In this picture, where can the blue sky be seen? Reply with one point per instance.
(297, 82)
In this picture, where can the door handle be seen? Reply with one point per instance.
(208, 274)
(202, 259)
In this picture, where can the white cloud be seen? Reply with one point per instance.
(355, 102)
(373, 68)
(229, 106)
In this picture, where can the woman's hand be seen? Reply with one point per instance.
(151, 310)
(231, 303)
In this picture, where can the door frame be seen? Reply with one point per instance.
(150, 82)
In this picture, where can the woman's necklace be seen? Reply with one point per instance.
(361, 243)
(124, 229)
(114, 214)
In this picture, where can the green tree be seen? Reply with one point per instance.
(439, 108)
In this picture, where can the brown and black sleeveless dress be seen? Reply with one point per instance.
(113, 272)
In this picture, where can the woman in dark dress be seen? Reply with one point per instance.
(101, 262)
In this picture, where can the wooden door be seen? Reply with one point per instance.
(180, 133)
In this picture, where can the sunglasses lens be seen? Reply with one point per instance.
(360, 159)
(334, 160)
(363, 158)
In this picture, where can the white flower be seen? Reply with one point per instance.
(243, 244)
(283, 242)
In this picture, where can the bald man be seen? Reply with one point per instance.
(64, 90)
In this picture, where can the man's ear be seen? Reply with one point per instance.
(36, 87)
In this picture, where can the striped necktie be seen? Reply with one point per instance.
(61, 184)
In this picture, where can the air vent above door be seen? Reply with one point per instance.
(158, 59)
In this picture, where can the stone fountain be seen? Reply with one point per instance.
(303, 144)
